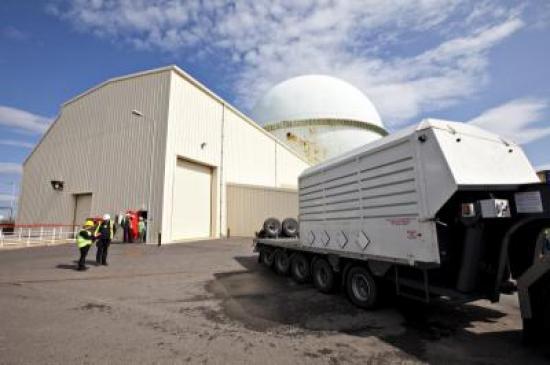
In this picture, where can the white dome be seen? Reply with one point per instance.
(315, 97)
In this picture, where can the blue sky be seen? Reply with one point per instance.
(484, 62)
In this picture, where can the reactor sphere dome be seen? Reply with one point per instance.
(319, 116)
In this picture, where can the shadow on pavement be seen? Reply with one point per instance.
(263, 301)
(74, 266)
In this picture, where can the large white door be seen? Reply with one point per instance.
(82, 208)
(192, 202)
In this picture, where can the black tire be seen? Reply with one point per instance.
(300, 268)
(290, 227)
(361, 288)
(272, 227)
(324, 278)
(267, 257)
(282, 262)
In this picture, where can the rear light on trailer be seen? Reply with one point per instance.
(468, 210)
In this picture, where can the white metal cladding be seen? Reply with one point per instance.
(288, 168)
(98, 146)
(248, 207)
(194, 133)
(204, 129)
(502, 162)
(354, 205)
(249, 157)
(379, 199)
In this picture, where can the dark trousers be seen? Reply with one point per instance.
(102, 251)
(127, 235)
(83, 253)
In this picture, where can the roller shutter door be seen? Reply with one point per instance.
(192, 204)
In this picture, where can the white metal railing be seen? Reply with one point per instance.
(37, 235)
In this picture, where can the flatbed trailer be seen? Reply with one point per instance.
(439, 211)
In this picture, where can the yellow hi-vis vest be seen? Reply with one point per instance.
(81, 241)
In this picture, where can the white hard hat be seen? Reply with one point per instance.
(106, 217)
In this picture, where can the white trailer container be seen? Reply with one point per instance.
(438, 210)
(381, 200)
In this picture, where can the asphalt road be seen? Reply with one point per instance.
(210, 302)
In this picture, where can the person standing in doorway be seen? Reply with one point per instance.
(126, 223)
(84, 241)
(142, 229)
(104, 233)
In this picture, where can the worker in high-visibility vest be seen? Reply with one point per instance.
(84, 241)
(104, 233)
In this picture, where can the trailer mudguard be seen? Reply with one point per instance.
(540, 270)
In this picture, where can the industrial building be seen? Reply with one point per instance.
(319, 116)
(161, 142)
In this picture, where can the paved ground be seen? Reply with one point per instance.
(210, 302)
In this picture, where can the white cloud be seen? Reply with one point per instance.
(10, 168)
(541, 16)
(366, 42)
(519, 120)
(16, 143)
(20, 119)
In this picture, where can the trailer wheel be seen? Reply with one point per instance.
(361, 288)
(323, 276)
(272, 227)
(282, 262)
(267, 257)
(290, 227)
(300, 269)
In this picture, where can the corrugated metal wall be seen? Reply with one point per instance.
(249, 206)
(198, 123)
(288, 168)
(249, 156)
(98, 146)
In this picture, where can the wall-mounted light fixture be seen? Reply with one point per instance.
(57, 185)
(203, 144)
(137, 112)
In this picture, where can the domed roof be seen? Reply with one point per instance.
(315, 97)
